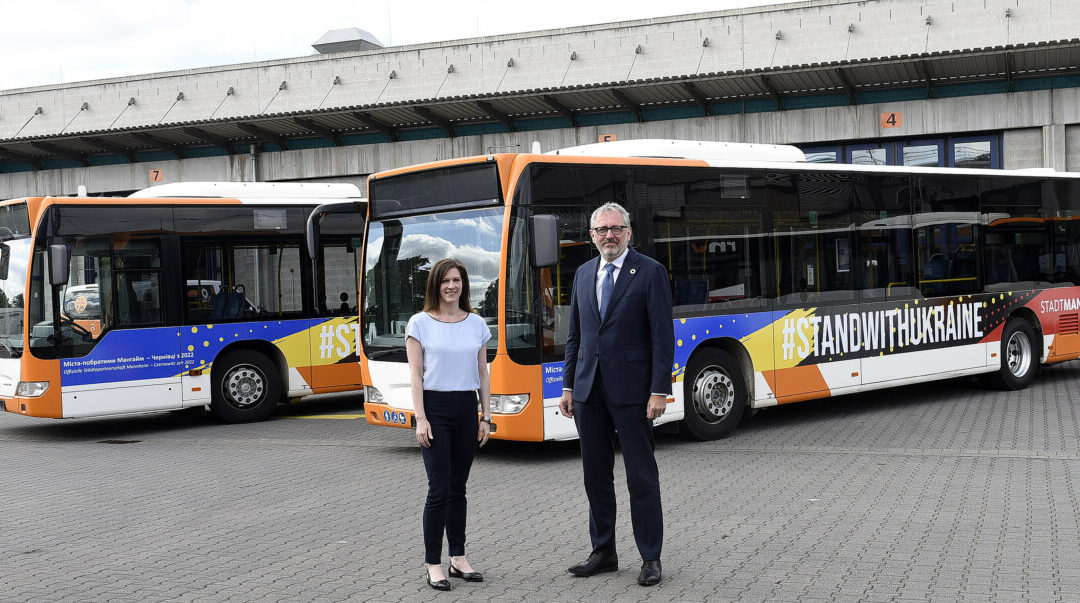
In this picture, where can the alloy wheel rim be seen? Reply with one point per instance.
(713, 394)
(1018, 354)
(243, 386)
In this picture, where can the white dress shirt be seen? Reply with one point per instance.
(602, 273)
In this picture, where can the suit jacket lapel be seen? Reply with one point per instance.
(590, 291)
(626, 273)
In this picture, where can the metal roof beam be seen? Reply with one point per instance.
(115, 149)
(214, 139)
(848, 86)
(159, 144)
(55, 150)
(435, 119)
(698, 96)
(767, 84)
(1010, 68)
(19, 157)
(923, 67)
(503, 118)
(370, 121)
(627, 103)
(264, 135)
(563, 110)
(321, 130)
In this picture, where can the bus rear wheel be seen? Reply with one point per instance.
(1019, 358)
(246, 387)
(715, 395)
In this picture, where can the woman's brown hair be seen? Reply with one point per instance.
(435, 278)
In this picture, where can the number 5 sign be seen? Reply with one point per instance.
(894, 119)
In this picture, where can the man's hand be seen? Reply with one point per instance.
(657, 406)
(566, 405)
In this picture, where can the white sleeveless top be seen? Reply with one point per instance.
(450, 350)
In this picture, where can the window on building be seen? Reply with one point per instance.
(922, 154)
(822, 154)
(868, 155)
(973, 153)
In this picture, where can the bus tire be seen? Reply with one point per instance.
(246, 387)
(715, 395)
(1019, 358)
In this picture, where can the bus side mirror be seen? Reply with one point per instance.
(5, 260)
(545, 240)
(59, 268)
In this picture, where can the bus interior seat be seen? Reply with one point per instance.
(227, 306)
(221, 300)
(1000, 268)
(691, 291)
(234, 305)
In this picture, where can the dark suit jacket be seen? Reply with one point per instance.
(634, 346)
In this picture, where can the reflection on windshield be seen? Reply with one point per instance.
(11, 299)
(400, 254)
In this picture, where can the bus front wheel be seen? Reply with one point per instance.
(1019, 358)
(715, 395)
(246, 387)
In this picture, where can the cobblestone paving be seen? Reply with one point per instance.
(938, 492)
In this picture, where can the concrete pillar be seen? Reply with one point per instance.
(1054, 146)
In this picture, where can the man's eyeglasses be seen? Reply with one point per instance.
(604, 230)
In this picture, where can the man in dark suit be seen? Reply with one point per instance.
(616, 378)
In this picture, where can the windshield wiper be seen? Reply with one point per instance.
(382, 353)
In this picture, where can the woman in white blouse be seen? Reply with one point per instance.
(447, 348)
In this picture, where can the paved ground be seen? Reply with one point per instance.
(939, 492)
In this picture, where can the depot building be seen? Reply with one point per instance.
(992, 83)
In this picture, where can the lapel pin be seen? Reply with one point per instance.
(633, 270)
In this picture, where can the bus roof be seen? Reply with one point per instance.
(250, 190)
(713, 154)
(687, 149)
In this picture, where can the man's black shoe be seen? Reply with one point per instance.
(650, 573)
(597, 563)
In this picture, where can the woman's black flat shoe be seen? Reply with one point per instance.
(443, 584)
(466, 576)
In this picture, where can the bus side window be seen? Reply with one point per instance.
(707, 228)
(883, 218)
(138, 282)
(812, 217)
(946, 227)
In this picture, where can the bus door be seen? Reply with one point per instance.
(815, 328)
(127, 359)
(887, 265)
(335, 331)
(917, 287)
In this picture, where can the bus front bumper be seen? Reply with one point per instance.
(388, 416)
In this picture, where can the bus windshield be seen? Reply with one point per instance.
(400, 254)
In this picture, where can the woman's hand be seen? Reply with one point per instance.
(484, 433)
(423, 432)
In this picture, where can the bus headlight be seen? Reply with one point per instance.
(31, 389)
(372, 394)
(508, 404)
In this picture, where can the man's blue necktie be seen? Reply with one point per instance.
(605, 289)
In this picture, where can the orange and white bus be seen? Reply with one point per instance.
(790, 280)
(182, 295)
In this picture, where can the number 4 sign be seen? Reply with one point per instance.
(894, 119)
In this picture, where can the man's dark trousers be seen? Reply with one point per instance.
(598, 420)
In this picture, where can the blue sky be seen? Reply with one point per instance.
(78, 40)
